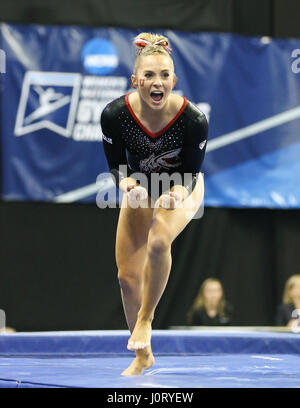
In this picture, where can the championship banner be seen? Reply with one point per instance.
(58, 79)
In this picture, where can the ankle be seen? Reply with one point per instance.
(144, 353)
(144, 317)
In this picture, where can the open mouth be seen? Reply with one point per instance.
(157, 95)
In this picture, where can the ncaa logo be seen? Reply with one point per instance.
(99, 57)
(48, 101)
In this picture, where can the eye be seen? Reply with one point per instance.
(148, 75)
(166, 74)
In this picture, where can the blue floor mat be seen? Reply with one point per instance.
(85, 360)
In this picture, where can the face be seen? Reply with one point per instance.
(154, 80)
(295, 290)
(213, 292)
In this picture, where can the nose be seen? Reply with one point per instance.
(157, 81)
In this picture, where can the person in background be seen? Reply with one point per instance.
(290, 302)
(4, 330)
(210, 307)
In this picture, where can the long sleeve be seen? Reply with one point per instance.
(113, 147)
(193, 151)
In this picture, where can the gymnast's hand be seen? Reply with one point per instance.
(168, 201)
(136, 194)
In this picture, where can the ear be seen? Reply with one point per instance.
(134, 83)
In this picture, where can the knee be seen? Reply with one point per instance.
(159, 239)
(128, 279)
(158, 245)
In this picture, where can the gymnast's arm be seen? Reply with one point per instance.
(115, 152)
(192, 154)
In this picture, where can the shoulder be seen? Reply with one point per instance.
(197, 315)
(190, 110)
(194, 113)
(285, 307)
(196, 124)
(284, 310)
(112, 110)
(196, 120)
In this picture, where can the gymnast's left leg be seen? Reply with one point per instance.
(166, 226)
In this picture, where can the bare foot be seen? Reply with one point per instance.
(144, 359)
(141, 336)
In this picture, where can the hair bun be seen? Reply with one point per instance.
(141, 43)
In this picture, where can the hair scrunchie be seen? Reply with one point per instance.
(141, 43)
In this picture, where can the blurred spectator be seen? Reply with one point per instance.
(7, 330)
(290, 302)
(210, 307)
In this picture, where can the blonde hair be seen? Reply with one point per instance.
(158, 44)
(199, 302)
(288, 286)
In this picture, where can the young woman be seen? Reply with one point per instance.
(161, 132)
(290, 302)
(210, 307)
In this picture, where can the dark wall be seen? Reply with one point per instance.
(57, 266)
(57, 262)
(256, 17)
(286, 18)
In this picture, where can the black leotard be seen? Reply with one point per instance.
(179, 147)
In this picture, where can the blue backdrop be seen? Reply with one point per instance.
(58, 80)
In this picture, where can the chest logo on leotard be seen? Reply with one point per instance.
(164, 161)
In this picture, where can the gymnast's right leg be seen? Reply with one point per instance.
(131, 250)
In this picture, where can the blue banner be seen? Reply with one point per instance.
(58, 80)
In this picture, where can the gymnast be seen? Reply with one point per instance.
(151, 131)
